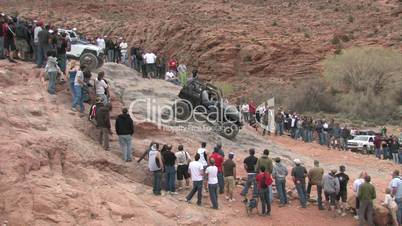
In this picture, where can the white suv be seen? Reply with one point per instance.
(88, 54)
(363, 143)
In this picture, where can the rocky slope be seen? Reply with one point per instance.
(53, 172)
(251, 44)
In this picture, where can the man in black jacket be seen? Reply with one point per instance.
(125, 129)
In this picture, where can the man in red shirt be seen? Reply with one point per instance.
(218, 163)
(377, 146)
(264, 180)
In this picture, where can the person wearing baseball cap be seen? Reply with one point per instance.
(279, 174)
(299, 174)
(331, 188)
(229, 173)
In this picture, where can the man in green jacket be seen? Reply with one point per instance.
(315, 178)
(366, 196)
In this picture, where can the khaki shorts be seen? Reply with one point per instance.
(229, 184)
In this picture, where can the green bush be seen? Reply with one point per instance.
(367, 82)
(226, 88)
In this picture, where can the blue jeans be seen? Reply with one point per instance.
(279, 128)
(386, 153)
(265, 200)
(197, 187)
(170, 173)
(71, 83)
(110, 55)
(399, 211)
(301, 192)
(221, 182)
(250, 180)
(42, 51)
(281, 188)
(213, 195)
(309, 136)
(400, 158)
(378, 153)
(62, 62)
(51, 88)
(156, 182)
(125, 144)
(78, 98)
(1, 47)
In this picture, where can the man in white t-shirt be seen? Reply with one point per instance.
(123, 50)
(212, 172)
(356, 185)
(202, 151)
(101, 87)
(196, 170)
(150, 60)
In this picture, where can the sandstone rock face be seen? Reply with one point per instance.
(267, 43)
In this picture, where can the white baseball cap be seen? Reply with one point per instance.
(297, 161)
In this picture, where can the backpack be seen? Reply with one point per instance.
(20, 31)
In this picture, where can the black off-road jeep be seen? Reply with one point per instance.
(203, 101)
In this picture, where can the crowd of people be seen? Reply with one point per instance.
(326, 133)
(211, 173)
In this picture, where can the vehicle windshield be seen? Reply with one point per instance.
(361, 138)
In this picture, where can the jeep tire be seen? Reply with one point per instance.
(181, 110)
(229, 130)
(89, 60)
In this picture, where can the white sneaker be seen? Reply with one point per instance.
(233, 200)
(343, 214)
(356, 217)
(174, 193)
(227, 197)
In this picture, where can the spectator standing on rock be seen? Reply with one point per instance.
(342, 196)
(123, 50)
(345, 134)
(125, 129)
(299, 174)
(52, 69)
(78, 90)
(183, 159)
(315, 179)
(218, 162)
(38, 28)
(161, 66)
(21, 37)
(250, 166)
(150, 60)
(331, 187)
(279, 119)
(264, 180)
(202, 151)
(196, 170)
(229, 172)
(396, 191)
(394, 147)
(9, 39)
(356, 186)
(182, 74)
(109, 49)
(155, 165)
(2, 34)
(44, 40)
(391, 205)
(366, 196)
(72, 70)
(212, 173)
(103, 124)
(101, 87)
(169, 159)
(266, 161)
(377, 146)
(62, 47)
(279, 174)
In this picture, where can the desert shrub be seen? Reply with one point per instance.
(310, 95)
(366, 82)
(226, 88)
